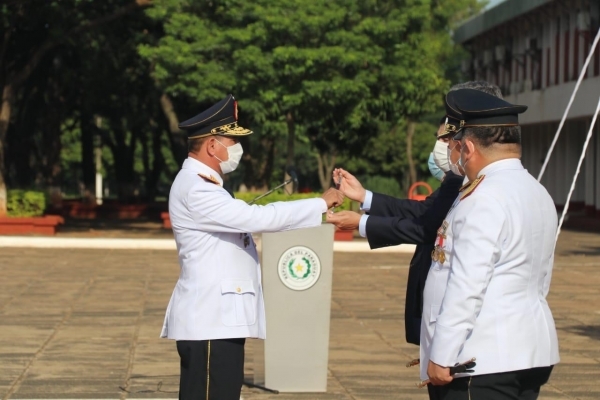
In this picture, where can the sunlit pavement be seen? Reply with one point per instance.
(84, 323)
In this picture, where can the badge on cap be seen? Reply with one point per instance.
(220, 119)
(471, 108)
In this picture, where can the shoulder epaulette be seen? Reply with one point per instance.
(210, 179)
(470, 187)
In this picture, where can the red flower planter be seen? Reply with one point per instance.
(45, 225)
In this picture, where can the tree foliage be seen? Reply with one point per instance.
(321, 82)
(333, 71)
(89, 88)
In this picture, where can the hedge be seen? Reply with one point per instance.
(281, 196)
(25, 203)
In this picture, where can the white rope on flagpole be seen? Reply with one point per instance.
(587, 141)
(564, 117)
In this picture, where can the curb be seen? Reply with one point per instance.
(357, 246)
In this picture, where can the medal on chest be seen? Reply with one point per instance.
(438, 254)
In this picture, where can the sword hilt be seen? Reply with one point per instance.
(467, 366)
(412, 363)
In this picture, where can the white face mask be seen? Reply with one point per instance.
(234, 153)
(441, 155)
(456, 168)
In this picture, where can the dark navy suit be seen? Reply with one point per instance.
(395, 221)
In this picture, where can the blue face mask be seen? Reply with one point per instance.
(434, 169)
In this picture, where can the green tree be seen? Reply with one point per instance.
(329, 71)
(32, 35)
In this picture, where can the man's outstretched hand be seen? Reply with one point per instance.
(344, 220)
(333, 197)
(349, 185)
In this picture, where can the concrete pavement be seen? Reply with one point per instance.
(84, 323)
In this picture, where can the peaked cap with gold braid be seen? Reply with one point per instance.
(220, 119)
(470, 108)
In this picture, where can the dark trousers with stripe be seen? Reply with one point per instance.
(514, 385)
(211, 369)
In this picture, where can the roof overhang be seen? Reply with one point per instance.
(503, 12)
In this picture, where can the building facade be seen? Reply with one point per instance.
(534, 50)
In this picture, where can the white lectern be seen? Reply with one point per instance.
(297, 273)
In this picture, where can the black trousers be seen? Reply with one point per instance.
(514, 385)
(211, 369)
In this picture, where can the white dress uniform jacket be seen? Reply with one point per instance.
(219, 293)
(488, 299)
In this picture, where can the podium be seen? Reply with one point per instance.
(297, 271)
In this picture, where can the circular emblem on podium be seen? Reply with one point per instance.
(299, 268)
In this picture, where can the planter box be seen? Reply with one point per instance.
(122, 211)
(80, 210)
(45, 225)
(166, 220)
(343, 236)
(110, 210)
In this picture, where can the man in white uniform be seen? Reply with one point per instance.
(485, 295)
(218, 299)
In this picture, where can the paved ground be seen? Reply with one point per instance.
(85, 324)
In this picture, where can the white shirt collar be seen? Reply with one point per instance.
(201, 168)
(502, 165)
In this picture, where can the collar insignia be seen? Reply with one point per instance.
(210, 178)
(469, 188)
